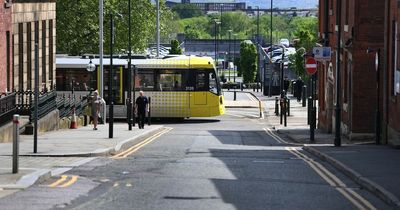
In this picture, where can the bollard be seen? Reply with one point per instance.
(276, 106)
(149, 114)
(285, 112)
(282, 110)
(312, 125)
(288, 106)
(303, 96)
(309, 107)
(15, 143)
(259, 105)
(234, 95)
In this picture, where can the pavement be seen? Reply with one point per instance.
(373, 167)
(62, 150)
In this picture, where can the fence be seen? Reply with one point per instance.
(7, 107)
(66, 104)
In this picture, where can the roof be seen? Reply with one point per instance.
(177, 62)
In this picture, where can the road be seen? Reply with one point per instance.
(227, 162)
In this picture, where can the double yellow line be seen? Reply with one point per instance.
(355, 198)
(136, 147)
(333, 181)
(64, 181)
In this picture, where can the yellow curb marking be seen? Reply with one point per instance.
(138, 146)
(70, 182)
(333, 181)
(356, 199)
(63, 179)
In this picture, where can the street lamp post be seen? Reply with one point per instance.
(270, 57)
(229, 56)
(338, 113)
(129, 101)
(90, 68)
(377, 111)
(258, 46)
(110, 79)
(216, 22)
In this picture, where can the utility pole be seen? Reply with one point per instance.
(101, 54)
(110, 81)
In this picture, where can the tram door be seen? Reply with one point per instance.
(200, 94)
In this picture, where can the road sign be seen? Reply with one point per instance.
(311, 66)
(322, 53)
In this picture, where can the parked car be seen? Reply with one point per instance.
(284, 42)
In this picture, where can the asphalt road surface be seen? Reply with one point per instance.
(227, 162)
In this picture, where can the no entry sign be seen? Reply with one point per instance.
(311, 66)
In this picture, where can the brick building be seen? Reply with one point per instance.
(33, 20)
(391, 79)
(5, 47)
(362, 27)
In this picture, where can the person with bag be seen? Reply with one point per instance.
(96, 104)
(141, 108)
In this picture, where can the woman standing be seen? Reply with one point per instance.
(96, 103)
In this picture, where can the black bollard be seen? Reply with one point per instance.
(285, 112)
(304, 96)
(288, 106)
(276, 106)
(309, 107)
(234, 95)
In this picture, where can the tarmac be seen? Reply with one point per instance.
(373, 167)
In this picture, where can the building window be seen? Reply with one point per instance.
(396, 71)
(20, 56)
(8, 60)
(51, 66)
(44, 73)
(29, 54)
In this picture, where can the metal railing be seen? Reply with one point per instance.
(66, 104)
(7, 107)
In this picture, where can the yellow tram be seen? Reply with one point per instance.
(179, 86)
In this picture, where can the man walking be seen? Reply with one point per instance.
(141, 108)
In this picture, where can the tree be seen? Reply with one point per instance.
(248, 61)
(77, 25)
(187, 10)
(305, 42)
(175, 48)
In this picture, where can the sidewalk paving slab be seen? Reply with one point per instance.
(60, 151)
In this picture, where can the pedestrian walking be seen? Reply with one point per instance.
(96, 104)
(299, 88)
(141, 108)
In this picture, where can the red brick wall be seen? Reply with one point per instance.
(393, 116)
(5, 25)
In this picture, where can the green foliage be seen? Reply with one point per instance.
(187, 10)
(78, 25)
(175, 48)
(248, 61)
(305, 41)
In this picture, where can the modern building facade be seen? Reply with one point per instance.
(362, 27)
(33, 22)
(5, 47)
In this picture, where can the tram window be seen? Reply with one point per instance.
(145, 81)
(169, 82)
(201, 81)
(213, 83)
